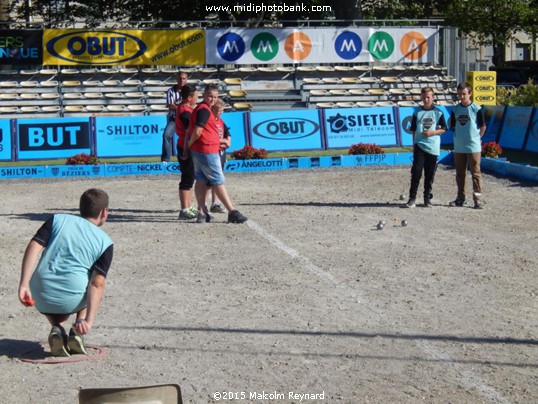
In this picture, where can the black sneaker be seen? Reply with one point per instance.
(209, 218)
(200, 218)
(236, 217)
(58, 341)
(478, 205)
(428, 203)
(410, 203)
(75, 343)
(458, 202)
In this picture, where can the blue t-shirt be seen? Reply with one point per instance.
(431, 119)
(466, 121)
(74, 248)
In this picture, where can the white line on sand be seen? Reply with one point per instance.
(468, 378)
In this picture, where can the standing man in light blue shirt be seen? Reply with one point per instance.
(428, 124)
(70, 276)
(467, 119)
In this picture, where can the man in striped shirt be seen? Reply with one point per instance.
(173, 99)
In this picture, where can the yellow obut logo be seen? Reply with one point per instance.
(484, 78)
(485, 98)
(96, 47)
(484, 88)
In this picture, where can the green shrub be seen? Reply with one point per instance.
(523, 96)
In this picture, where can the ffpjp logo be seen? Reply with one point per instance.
(54, 136)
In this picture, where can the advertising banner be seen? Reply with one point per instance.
(235, 121)
(347, 126)
(129, 136)
(286, 130)
(21, 47)
(5, 139)
(532, 140)
(23, 172)
(322, 45)
(493, 116)
(124, 47)
(515, 125)
(52, 138)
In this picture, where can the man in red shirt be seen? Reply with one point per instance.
(204, 146)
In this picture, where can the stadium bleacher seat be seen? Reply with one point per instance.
(242, 106)
(9, 96)
(9, 83)
(325, 105)
(49, 83)
(70, 71)
(29, 83)
(95, 108)
(50, 109)
(71, 83)
(111, 83)
(344, 104)
(365, 104)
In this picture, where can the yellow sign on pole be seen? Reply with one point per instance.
(484, 85)
(123, 47)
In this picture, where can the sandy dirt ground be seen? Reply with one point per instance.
(307, 298)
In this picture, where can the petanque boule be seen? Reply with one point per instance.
(402, 197)
(404, 223)
(380, 226)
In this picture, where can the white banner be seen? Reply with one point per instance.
(322, 45)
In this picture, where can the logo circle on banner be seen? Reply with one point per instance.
(381, 45)
(230, 46)
(264, 46)
(348, 45)
(413, 45)
(298, 46)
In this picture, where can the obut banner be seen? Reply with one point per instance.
(125, 47)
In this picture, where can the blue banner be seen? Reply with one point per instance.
(129, 136)
(494, 116)
(74, 171)
(5, 139)
(286, 130)
(23, 172)
(52, 138)
(115, 170)
(532, 140)
(255, 165)
(235, 121)
(347, 126)
(515, 125)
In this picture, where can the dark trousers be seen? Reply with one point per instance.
(426, 162)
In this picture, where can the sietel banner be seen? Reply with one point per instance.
(52, 138)
(346, 126)
(322, 45)
(5, 139)
(129, 136)
(286, 130)
(125, 47)
(21, 47)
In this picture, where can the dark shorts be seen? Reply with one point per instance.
(187, 171)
